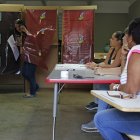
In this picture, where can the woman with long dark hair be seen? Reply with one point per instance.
(112, 123)
(28, 69)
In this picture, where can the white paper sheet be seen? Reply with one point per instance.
(70, 67)
(13, 46)
(124, 103)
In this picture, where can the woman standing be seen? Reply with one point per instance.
(28, 69)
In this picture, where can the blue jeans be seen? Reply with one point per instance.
(101, 104)
(28, 72)
(112, 124)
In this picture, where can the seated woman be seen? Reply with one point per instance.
(114, 55)
(90, 127)
(112, 123)
(116, 42)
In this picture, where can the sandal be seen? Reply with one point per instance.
(28, 96)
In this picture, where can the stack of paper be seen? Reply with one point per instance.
(70, 67)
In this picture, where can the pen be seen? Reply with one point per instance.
(88, 77)
(121, 96)
(117, 96)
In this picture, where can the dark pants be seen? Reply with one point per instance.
(28, 71)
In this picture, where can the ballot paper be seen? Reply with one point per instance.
(13, 46)
(125, 104)
(70, 67)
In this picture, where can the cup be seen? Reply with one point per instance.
(64, 74)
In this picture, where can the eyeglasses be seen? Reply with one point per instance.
(121, 96)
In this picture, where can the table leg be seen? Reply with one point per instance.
(55, 108)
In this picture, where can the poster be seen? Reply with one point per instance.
(78, 28)
(41, 24)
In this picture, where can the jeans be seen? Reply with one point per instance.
(112, 124)
(28, 72)
(101, 104)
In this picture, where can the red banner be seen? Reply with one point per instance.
(77, 36)
(41, 24)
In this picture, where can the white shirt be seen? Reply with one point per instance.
(123, 78)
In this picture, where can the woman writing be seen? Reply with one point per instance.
(112, 123)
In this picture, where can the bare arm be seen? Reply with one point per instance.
(108, 71)
(108, 55)
(133, 80)
(24, 29)
(91, 65)
(116, 62)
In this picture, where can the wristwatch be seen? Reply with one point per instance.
(116, 87)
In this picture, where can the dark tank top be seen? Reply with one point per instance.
(110, 58)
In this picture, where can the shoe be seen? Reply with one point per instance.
(89, 127)
(18, 72)
(28, 96)
(91, 106)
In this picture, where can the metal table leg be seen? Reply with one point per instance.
(55, 108)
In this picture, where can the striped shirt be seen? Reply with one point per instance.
(123, 78)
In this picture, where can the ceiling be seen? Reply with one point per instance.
(103, 6)
(45, 1)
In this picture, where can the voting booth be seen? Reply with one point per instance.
(42, 47)
(78, 34)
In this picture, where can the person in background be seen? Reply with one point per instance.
(112, 60)
(116, 41)
(114, 52)
(112, 123)
(28, 69)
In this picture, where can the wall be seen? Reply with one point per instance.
(110, 17)
(134, 10)
(105, 25)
